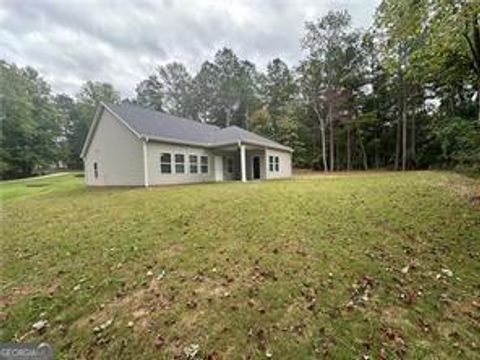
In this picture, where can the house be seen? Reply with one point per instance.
(128, 145)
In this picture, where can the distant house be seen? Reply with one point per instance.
(128, 145)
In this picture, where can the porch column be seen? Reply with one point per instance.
(243, 163)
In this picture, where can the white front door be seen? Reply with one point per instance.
(218, 168)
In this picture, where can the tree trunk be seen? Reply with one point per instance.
(323, 139)
(478, 97)
(362, 149)
(331, 135)
(349, 149)
(227, 118)
(397, 145)
(404, 131)
(413, 143)
(403, 100)
(324, 147)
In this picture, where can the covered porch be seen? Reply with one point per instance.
(242, 162)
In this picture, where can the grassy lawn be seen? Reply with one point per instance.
(381, 264)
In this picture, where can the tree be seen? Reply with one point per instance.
(30, 122)
(452, 30)
(150, 93)
(330, 43)
(66, 108)
(225, 91)
(176, 86)
(311, 83)
(279, 90)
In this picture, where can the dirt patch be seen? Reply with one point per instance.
(396, 316)
(466, 188)
(14, 295)
(139, 304)
(475, 200)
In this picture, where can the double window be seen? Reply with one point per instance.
(204, 164)
(274, 163)
(166, 163)
(193, 159)
(179, 163)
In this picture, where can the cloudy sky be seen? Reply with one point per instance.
(121, 42)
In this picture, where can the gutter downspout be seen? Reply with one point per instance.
(145, 163)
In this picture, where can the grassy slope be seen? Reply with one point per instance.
(302, 268)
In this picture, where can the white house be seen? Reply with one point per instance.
(128, 145)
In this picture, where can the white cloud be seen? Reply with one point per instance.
(121, 42)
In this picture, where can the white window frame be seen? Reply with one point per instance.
(190, 164)
(202, 165)
(95, 170)
(277, 163)
(165, 163)
(271, 163)
(179, 163)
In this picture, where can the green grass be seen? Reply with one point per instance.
(304, 268)
(16, 189)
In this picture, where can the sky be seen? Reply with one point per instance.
(121, 42)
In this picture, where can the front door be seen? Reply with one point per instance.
(256, 167)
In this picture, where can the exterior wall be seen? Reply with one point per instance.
(285, 162)
(117, 152)
(155, 177)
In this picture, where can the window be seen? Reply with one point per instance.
(230, 165)
(204, 164)
(166, 163)
(270, 163)
(274, 163)
(193, 159)
(179, 163)
(95, 170)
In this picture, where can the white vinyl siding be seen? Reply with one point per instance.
(115, 165)
(155, 149)
(279, 164)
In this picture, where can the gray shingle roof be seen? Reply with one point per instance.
(161, 126)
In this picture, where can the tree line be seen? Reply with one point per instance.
(403, 94)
